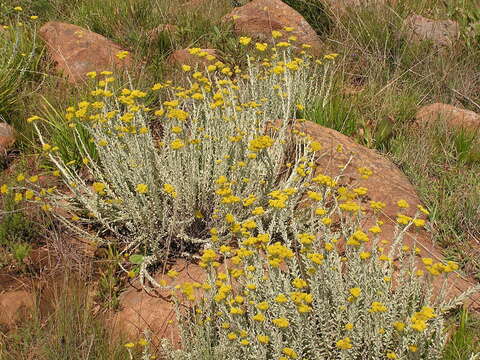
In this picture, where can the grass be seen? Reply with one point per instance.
(67, 330)
(465, 339)
(380, 83)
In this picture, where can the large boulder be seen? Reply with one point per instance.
(77, 51)
(388, 185)
(259, 18)
(442, 33)
(7, 138)
(455, 117)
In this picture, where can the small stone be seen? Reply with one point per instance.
(7, 138)
(455, 117)
(14, 306)
(154, 312)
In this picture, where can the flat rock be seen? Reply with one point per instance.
(440, 32)
(455, 117)
(259, 17)
(7, 137)
(154, 312)
(14, 305)
(77, 51)
(183, 57)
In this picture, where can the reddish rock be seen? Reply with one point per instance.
(259, 17)
(77, 51)
(14, 306)
(183, 57)
(455, 117)
(7, 137)
(153, 311)
(440, 32)
(388, 185)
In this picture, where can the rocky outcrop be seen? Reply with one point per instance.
(386, 184)
(77, 51)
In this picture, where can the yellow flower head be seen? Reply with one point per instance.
(355, 292)
(141, 188)
(276, 34)
(99, 187)
(245, 40)
(261, 46)
(281, 322)
(344, 344)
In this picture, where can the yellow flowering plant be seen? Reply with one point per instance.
(228, 174)
(166, 171)
(283, 293)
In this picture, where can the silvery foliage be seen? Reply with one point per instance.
(313, 335)
(156, 221)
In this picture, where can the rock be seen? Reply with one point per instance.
(183, 57)
(440, 32)
(77, 51)
(455, 117)
(259, 17)
(14, 306)
(7, 137)
(388, 185)
(154, 312)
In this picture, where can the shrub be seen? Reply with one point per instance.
(165, 175)
(310, 290)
